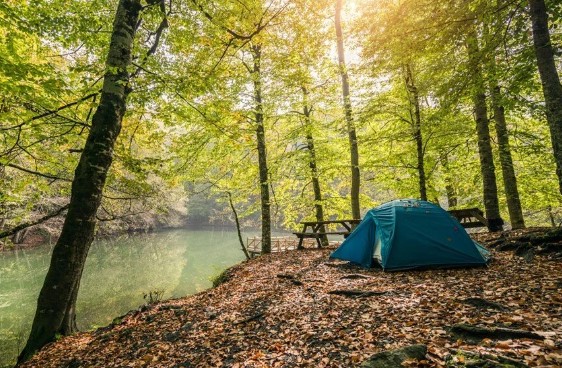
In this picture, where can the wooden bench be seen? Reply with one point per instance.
(317, 230)
(470, 217)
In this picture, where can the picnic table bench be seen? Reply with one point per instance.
(317, 230)
(470, 217)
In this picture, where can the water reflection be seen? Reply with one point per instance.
(118, 273)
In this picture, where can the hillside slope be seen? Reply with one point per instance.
(281, 311)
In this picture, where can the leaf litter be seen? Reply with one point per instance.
(291, 310)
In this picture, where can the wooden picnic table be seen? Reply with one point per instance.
(470, 217)
(317, 230)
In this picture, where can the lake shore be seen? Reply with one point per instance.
(48, 232)
(281, 310)
(119, 272)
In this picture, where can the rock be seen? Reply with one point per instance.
(171, 336)
(187, 326)
(395, 358)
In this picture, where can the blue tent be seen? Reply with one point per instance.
(409, 233)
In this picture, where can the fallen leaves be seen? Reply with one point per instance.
(277, 311)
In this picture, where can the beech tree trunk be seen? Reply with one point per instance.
(552, 89)
(487, 168)
(506, 161)
(313, 168)
(354, 150)
(452, 199)
(55, 312)
(262, 153)
(414, 97)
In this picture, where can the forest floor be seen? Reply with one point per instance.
(280, 310)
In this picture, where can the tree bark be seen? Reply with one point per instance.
(313, 168)
(262, 153)
(452, 199)
(552, 89)
(506, 161)
(414, 98)
(55, 312)
(354, 150)
(487, 168)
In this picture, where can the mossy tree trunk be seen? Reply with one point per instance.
(350, 124)
(506, 162)
(452, 199)
(319, 208)
(552, 89)
(262, 153)
(55, 312)
(414, 99)
(487, 168)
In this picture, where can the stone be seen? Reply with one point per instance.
(395, 358)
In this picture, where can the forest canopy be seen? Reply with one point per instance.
(414, 68)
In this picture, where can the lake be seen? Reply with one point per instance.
(118, 273)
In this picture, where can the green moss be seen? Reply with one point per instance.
(221, 278)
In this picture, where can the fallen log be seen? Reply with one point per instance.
(474, 359)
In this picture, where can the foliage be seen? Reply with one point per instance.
(189, 124)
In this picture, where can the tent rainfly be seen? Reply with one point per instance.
(409, 233)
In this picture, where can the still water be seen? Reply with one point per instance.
(118, 273)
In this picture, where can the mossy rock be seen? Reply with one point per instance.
(222, 277)
(395, 358)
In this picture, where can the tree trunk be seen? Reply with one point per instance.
(55, 312)
(414, 98)
(238, 229)
(313, 168)
(262, 154)
(354, 150)
(487, 168)
(506, 161)
(452, 199)
(552, 89)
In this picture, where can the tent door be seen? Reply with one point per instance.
(377, 250)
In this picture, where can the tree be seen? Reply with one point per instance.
(353, 146)
(487, 168)
(552, 89)
(318, 207)
(55, 312)
(415, 115)
(506, 161)
(262, 153)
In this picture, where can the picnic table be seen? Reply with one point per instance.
(317, 230)
(470, 217)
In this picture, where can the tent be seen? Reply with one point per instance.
(409, 233)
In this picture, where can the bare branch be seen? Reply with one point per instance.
(25, 225)
(52, 112)
(47, 176)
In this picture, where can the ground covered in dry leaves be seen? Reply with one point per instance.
(278, 311)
